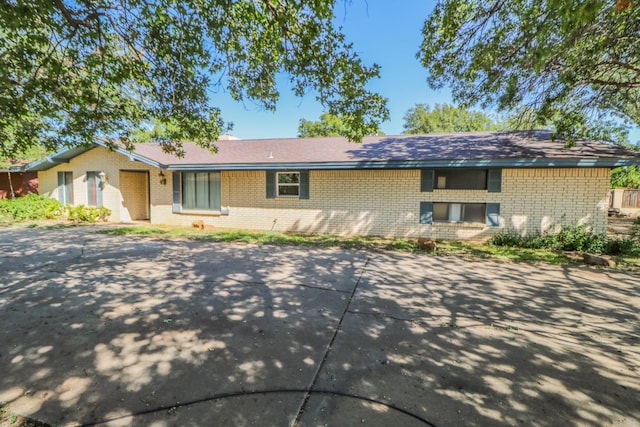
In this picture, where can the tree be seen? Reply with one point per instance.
(568, 62)
(33, 153)
(445, 118)
(30, 154)
(625, 177)
(76, 69)
(328, 125)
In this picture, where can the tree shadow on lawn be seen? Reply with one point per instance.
(117, 326)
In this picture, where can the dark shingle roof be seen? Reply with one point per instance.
(499, 149)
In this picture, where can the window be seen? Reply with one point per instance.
(288, 184)
(487, 213)
(94, 189)
(65, 188)
(461, 179)
(201, 191)
(459, 212)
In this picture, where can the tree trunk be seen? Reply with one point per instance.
(11, 192)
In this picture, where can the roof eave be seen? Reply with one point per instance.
(133, 156)
(66, 154)
(416, 164)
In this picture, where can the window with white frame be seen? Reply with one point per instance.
(288, 184)
(459, 212)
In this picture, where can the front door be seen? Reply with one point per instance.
(134, 187)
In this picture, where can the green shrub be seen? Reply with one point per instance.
(30, 207)
(624, 246)
(634, 232)
(579, 238)
(82, 213)
(507, 238)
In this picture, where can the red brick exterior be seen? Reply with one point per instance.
(23, 183)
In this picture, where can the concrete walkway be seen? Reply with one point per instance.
(102, 330)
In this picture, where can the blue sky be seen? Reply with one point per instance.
(384, 32)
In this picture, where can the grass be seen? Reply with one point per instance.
(468, 250)
(445, 248)
(10, 419)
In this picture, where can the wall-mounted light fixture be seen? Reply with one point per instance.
(163, 178)
(103, 179)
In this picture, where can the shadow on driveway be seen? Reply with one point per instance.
(111, 330)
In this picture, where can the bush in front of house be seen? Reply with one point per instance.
(85, 214)
(634, 232)
(30, 207)
(579, 239)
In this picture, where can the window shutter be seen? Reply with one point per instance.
(494, 180)
(493, 214)
(427, 177)
(99, 187)
(91, 189)
(304, 184)
(177, 205)
(271, 184)
(426, 212)
(68, 185)
(61, 187)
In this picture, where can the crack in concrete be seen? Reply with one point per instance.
(386, 316)
(297, 421)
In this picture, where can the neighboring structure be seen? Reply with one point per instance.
(453, 186)
(624, 202)
(22, 183)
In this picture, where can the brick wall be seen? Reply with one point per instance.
(101, 159)
(387, 203)
(540, 199)
(23, 183)
(361, 202)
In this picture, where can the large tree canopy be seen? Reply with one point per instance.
(567, 61)
(76, 69)
(446, 118)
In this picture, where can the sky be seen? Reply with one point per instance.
(383, 32)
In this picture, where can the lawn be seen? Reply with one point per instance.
(471, 250)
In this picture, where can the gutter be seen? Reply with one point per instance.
(414, 164)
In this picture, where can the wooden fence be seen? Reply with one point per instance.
(631, 199)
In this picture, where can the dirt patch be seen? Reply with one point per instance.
(619, 226)
(9, 419)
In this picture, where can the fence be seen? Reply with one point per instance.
(631, 199)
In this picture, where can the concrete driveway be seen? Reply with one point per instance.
(102, 330)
